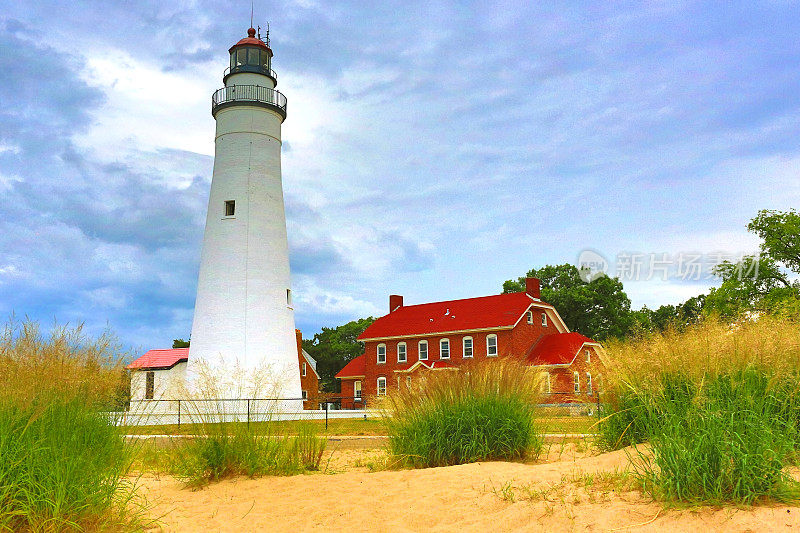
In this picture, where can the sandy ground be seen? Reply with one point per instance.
(567, 490)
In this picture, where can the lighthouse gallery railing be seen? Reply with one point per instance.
(248, 93)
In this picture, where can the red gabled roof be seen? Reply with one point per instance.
(500, 310)
(160, 359)
(354, 368)
(557, 348)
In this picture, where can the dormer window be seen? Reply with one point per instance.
(529, 316)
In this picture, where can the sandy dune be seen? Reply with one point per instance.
(494, 496)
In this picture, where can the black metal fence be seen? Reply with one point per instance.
(191, 411)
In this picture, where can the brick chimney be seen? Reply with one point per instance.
(395, 302)
(532, 287)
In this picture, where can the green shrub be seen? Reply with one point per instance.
(480, 412)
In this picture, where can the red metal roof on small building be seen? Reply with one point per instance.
(500, 310)
(557, 348)
(354, 368)
(160, 359)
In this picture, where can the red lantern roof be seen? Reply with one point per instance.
(250, 40)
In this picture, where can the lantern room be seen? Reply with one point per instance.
(251, 54)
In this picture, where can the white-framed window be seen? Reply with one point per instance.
(529, 316)
(289, 297)
(423, 350)
(230, 208)
(305, 395)
(402, 352)
(357, 389)
(444, 349)
(577, 378)
(408, 381)
(588, 384)
(467, 342)
(588, 356)
(381, 386)
(544, 320)
(304, 369)
(491, 345)
(381, 354)
(149, 384)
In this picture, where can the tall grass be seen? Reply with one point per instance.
(62, 463)
(719, 405)
(480, 412)
(223, 448)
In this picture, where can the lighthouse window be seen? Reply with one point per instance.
(241, 57)
(252, 56)
(230, 208)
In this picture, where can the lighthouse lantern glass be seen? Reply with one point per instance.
(250, 59)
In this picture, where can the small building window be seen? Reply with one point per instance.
(357, 390)
(423, 350)
(381, 386)
(467, 347)
(544, 320)
(230, 208)
(529, 316)
(149, 385)
(588, 356)
(491, 345)
(588, 384)
(444, 349)
(304, 369)
(402, 353)
(577, 378)
(381, 353)
(305, 395)
(289, 297)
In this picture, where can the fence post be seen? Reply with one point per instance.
(364, 404)
(248, 413)
(326, 416)
(179, 413)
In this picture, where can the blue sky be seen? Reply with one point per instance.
(432, 149)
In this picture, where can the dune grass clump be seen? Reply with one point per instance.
(62, 461)
(480, 412)
(224, 449)
(718, 404)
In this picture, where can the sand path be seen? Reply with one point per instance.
(495, 496)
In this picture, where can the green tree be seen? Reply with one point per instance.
(333, 348)
(180, 343)
(599, 308)
(761, 282)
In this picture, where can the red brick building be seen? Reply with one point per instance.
(309, 378)
(440, 336)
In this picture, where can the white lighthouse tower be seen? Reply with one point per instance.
(243, 316)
